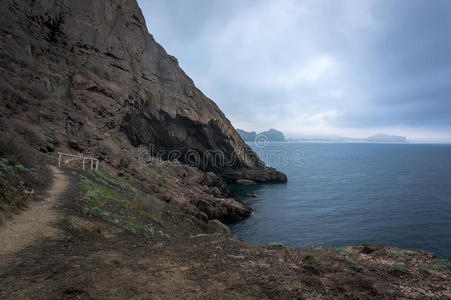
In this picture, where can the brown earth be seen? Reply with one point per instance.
(36, 222)
(94, 259)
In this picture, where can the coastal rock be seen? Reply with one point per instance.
(223, 209)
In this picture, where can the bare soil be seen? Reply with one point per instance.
(92, 259)
(38, 222)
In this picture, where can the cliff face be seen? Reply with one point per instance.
(76, 69)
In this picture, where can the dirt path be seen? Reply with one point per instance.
(37, 222)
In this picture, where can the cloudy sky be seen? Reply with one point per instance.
(346, 67)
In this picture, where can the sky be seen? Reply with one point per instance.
(346, 67)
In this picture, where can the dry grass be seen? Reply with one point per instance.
(23, 175)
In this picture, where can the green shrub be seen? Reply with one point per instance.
(438, 264)
(317, 248)
(343, 251)
(399, 268)
(353, 265)
(13, 162)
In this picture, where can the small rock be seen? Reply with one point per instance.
(166, 196)
(370, 248)
(217, 226)
(250, 196)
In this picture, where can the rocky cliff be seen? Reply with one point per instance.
(85, 76)
(76, 69)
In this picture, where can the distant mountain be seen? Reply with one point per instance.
(247, 136)
(320, 138)
(272, 135)
(383, 138)
(378, 138)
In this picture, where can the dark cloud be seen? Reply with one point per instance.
(316, 66)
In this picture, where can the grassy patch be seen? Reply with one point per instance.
(399, 268)
(402, 254)
(102, 200)
(23, 175)
(353, 265)
(317, 248)
(343, 251)
(437, 264)
(312, 258)
(109, 179)
(410, 253)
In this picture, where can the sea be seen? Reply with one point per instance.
(341, 194)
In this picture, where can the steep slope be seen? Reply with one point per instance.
(77, 69)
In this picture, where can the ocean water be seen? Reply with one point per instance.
(342, 194)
